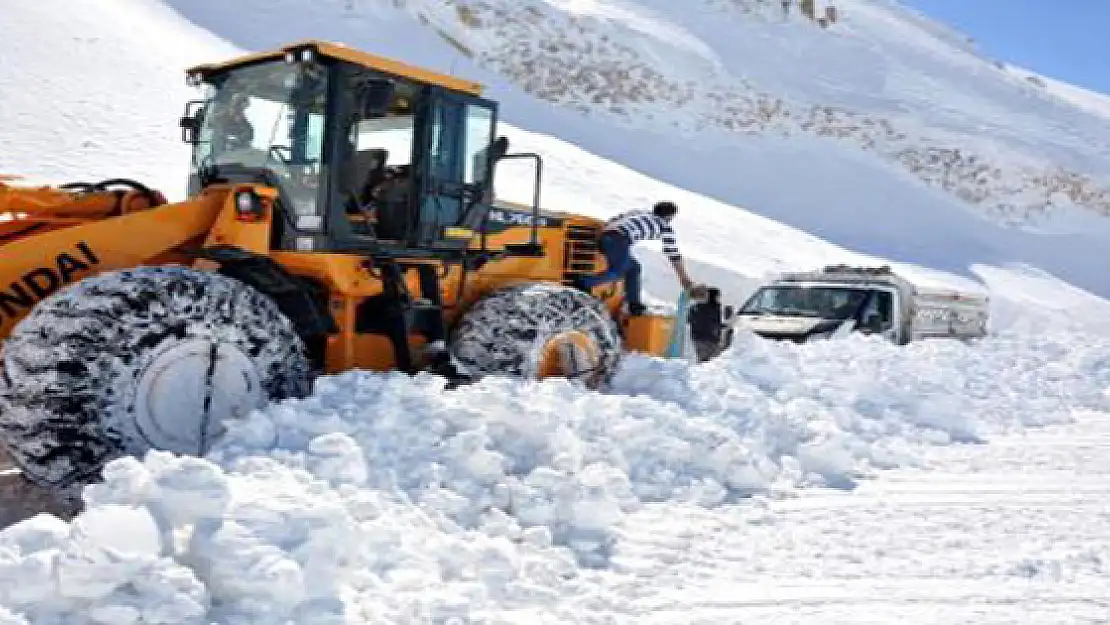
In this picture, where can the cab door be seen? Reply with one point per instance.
(460, 131)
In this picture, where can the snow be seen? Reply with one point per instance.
(841, 481)
(1097, 103)
(384, 497)
(1014, 532)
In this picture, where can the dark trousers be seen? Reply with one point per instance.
(618, 255)
(706, 350)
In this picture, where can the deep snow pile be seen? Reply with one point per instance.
(383, 497)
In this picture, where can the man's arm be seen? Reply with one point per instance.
(680, 271)
(670, 249)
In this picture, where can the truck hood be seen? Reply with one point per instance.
(779, 325)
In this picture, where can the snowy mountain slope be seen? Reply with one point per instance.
(1097, 103)
(122, 125)
(867, 134)
(382, 499)
(80, 102)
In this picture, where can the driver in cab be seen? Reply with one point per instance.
(237, 130)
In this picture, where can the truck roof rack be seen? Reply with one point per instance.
(846, 274)
(883, 270)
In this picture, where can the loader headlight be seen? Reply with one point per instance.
(305, 55)
(248, 206)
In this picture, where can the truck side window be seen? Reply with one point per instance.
(877, 313)
(883, 308)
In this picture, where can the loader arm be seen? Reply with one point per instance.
(51, 237)
(76, 200)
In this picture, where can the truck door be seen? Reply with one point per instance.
(877, 316)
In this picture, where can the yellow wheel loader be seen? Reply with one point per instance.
(340, 216)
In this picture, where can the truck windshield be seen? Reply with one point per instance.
(267, 117)
(802, 301)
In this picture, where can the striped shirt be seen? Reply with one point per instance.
(641, 225)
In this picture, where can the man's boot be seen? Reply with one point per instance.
(579, 282)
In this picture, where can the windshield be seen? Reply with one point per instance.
(268, 117)
(799, 301)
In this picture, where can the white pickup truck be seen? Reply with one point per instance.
(839, 299)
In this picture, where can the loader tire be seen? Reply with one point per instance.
(538, 330)
(122, 363)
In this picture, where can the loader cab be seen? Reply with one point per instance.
(368, 155)
(415, 163)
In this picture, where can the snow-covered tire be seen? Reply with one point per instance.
(121, 363)
(507, 332)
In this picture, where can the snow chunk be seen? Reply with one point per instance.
(105, 569)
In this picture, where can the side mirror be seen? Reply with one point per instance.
(375, 98)
(189, 128)
(729, 312)
(497, 151)
(500, 148)
(191, 121)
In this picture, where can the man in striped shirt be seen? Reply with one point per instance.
(618, 237)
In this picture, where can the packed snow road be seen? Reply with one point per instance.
(847, 481)
(1017, 531)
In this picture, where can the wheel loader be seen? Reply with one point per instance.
(339, 215)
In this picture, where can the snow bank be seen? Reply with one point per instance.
(178, 540)
(385, 497)
(827, 412)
